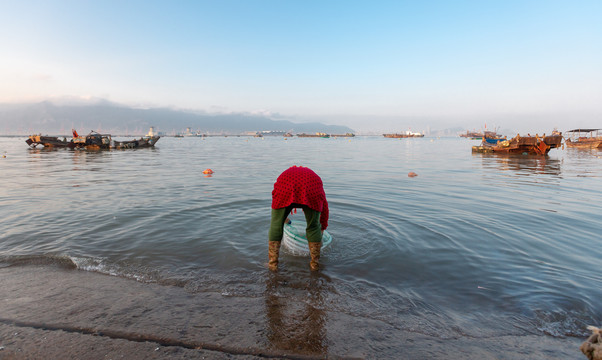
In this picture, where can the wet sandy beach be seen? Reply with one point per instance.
(49, 312)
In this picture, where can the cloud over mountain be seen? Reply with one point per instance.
(58, 118)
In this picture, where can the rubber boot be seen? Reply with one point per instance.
(314, 252)
(273, 252)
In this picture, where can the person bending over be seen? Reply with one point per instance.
(298, 187)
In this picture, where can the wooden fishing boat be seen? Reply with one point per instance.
(344, 135)
(92, 141)
(49, 141)
(143, 142)
(584, 138)
(531, 145)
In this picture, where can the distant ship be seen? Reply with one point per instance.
(487, 134)
(406, 134)
(316, 135)
(480, 134)
(277, 133)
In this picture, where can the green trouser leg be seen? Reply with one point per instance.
(313, 230)
(277, 223)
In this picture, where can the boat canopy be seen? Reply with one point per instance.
(583, 130)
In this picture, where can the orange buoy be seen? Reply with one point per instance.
(207, 171)
(412, 174)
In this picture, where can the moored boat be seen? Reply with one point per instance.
(145, 141)
(49, 141)
(92, 141)
(532, 145)
(584, 138)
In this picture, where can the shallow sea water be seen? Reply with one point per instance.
(475, 245)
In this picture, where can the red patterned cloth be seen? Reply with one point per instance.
(300, 185)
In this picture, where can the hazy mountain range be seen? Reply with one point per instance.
(49, 118)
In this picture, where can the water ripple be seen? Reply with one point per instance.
(513, 239)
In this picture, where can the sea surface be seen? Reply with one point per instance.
(476, 244)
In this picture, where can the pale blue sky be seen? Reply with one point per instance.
(367, 64)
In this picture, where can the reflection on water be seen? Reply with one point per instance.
(586, 161)
(295, 316)
(588, 151)
(521, 164)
